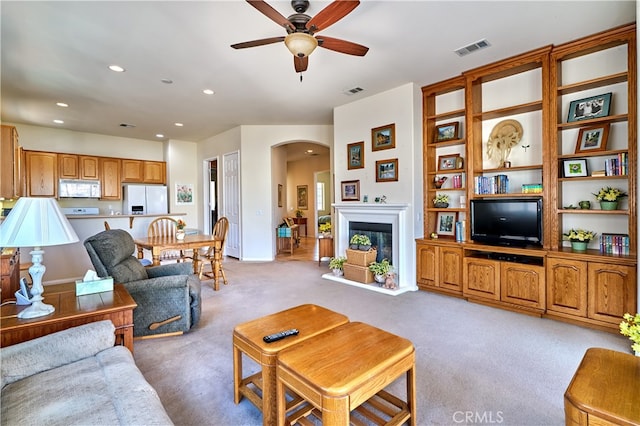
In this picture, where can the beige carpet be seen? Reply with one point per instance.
(475, 364)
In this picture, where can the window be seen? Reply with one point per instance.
(320, 196)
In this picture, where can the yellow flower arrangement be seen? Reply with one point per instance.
(579, 235)
(630, 327)
(441, 198)
(181, 224)
(325, 227)
(609, 194)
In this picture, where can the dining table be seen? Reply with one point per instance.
(190, 242)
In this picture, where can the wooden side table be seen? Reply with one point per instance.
(325, 247)
(71, 311)
(346, 369)
(301, 221)
(310, 320)
(605, 390)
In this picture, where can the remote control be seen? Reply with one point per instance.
(281, 335)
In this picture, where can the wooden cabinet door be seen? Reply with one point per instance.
(9, 160)
(567, 286)
(154, 172)
(450, 266)
(426, 265)
(68, 166)
(110, 179)
(522, 284)
(89, 167)
(132, 171)
(611, 290)
(481, 278)
(42, 174)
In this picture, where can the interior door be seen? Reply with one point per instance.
(231, 201)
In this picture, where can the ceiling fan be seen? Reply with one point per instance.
(300, 38)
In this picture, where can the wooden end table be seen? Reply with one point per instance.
(325, 247)
(604, 390)
(343, 369)
(71, 311)
(310, 320)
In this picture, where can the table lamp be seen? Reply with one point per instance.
(36, 222)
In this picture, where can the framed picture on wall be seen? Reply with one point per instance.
(184, 193)
(447, 132)
(387, 170)
(587, 108)
(383, 137)
(302, 197)
(446, 223)
(575, 168)
(593, 138)
(350, 190)
(355, 155)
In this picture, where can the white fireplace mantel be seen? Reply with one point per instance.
(394, 214)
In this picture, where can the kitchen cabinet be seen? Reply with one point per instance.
(9, 273)
(73, 166)
(110, 179)
(155, 172)
(132, 171)
(41, 174)
(10, 163)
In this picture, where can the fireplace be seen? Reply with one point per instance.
(386, 226)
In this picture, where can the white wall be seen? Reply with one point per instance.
(353, 122)
(182, 170)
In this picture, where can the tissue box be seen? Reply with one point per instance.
(95, 286)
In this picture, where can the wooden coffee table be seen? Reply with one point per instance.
(310, 320)
(346, 369)
(71, 311)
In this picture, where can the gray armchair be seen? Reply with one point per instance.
(168, 296)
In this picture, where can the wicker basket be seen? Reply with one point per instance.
(360, 274)
(361, 258)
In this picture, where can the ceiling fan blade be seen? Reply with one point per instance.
(331, 14)
(342, 46)
(300, 64)
(255, 43)
(271, 13)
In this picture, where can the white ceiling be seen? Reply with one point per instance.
(56, 51)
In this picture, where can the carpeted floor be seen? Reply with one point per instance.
(474, 364)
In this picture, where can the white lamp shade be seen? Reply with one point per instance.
(300, 44)
(36, 222)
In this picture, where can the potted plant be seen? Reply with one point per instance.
(325, 229)
(579, 238)
(441, 201)
(630, 327)
(360, 242)
(180, 225)
(609, 197)
(336, 265)
(380, 269)
(299, 213)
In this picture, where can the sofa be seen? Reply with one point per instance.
(76, 377)
(168, 296)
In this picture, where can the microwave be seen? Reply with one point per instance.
(74, 188)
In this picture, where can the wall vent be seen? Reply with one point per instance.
(353, 91)
(473, 47)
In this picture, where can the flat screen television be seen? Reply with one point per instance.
(507, 221)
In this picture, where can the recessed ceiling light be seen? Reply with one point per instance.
(62, 104)
(58, 121)
(208, 92)
(179, 124)
(309, 151)
(166, 81)
(116, 68)
(159, 135)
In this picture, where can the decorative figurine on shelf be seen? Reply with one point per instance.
(439, 181)
(504, 136)
(390, 281)
(381, 200)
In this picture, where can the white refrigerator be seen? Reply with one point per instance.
(145, 199)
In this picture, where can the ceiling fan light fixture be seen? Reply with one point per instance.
(300, 44)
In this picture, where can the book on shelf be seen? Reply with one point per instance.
(614, 243)
(616, 166)
(498, 184)
(598, 173)
(532, 188)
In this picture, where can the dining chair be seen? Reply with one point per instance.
(220, 230)
(166, 227)
(106, 226)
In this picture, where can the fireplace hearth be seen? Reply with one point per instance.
(386, 226)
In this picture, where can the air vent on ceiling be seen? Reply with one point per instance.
(473, 47)
(353, 91)
(128, 126)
